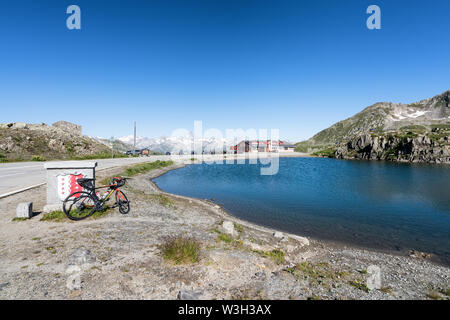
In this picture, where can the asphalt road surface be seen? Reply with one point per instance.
(20, 175)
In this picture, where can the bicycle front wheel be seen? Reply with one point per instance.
(79, 205)
(122, 202)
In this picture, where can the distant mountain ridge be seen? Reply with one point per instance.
(177, 143)
(382, 117)
(174, 143)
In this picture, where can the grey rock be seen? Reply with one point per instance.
(228, 228)
(3, 285)
(189, 295)
(278, 235)
(82, 256)
(24, 210)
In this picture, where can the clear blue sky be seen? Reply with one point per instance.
(295, 65)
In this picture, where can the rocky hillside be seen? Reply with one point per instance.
(413, 145)
(62, 140)
(119, 146)
(381, 118)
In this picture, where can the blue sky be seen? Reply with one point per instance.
(298, 66)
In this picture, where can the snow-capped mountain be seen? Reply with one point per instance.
(175, 144)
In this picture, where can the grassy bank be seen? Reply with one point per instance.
(139, 168)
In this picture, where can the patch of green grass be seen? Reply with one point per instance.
(224, 237)
(445, 291)
(35, 239)
(38, 158)
(359, 285)
(181, 250)
(434, 295)
(414, 128)
(317, 272)
(106, 155)
(276, 255)
(329, 153)
(17, 219)
(163, 200)
(146, 167)
(59, 215)
(138, 169)
(238, 228)
(387, 290)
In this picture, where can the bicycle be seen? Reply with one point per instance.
(83, 204)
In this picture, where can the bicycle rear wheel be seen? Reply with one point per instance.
(122, 202)
(79, 205)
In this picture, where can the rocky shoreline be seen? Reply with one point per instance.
(119, 256)
(408, 147)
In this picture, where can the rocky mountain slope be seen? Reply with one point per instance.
(416, 132)
(62, 140)
(382, 117)
(403, 146)
(118, 145)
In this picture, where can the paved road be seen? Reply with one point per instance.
(18, 175)
(21, 175)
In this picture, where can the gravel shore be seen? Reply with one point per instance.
(119, 256)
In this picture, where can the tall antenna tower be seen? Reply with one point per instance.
(134, 141)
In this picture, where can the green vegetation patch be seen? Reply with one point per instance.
(59, 215)
(276, 255)
(329, 153)
(38, 158)
(359, 285)
(106, 155)
(163, 200)
(317, 272)
(17, 219)
(445, 291)
(139, 169)
(181, 250)
(146, 167)
(238, 228)
(434, 295)
(224, 237)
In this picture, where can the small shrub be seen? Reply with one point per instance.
(276, 255)
(329, 153)
(238, 228)
(224, 238)
(446, 292)
(434, 295)
(163, 200)
(17, 219)
(37, 158)
(181, 250)
(359, 285)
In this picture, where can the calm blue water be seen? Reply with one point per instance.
(370, 204)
